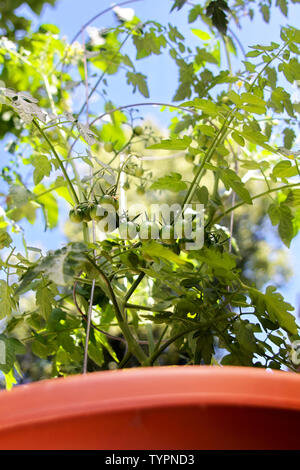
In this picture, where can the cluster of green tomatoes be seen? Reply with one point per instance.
(129, 229)
(87, 211)
(146, 230)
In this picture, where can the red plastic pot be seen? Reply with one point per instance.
(155, 408)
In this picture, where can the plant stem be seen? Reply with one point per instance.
(272, 190)
(205, 160)
(133, 344)
(148, 309)
(88, 329)
(71, 187)
(171, 340)
(133, 287)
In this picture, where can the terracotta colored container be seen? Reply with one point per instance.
(156, 408)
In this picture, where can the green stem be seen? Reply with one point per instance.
(124, 360)
(272, 190)
(133, 345)
(147, 309)
(205, 160)
(71, 187)
(135, 284)
(171, 340)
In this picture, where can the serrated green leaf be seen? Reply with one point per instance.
(44, 299)
(171, 182)
(207, 106)
(7, 300)
(138, 80)
(42, 167)
(232, 180)
(203, 35)
(172, 144)
(238, 138)
(273, 304)
(245, 335)
(157, 250)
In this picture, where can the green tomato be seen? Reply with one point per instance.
(108, 147)
(189, 158)
(139, 172)
(86, 213)
(195, 169)
(75, 216)
(95, 213)
(138, 130)
(140, 190)
(149, 230)
(109, 200)
(225, 99)
(126, 185)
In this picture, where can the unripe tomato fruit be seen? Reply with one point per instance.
(140, 190)
(138, 130)
(109, 200)
(139, 171)
(96, 214)
(108, 147)
(75, 216)
(189, 158)
(195, 169)
(86, 212)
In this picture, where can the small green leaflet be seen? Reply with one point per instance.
(203, 35)
(7, 301)
(215, 259)
(238, 138)
(42, 167)
(286, 227)
(255, 137)
(149, 43)
(60, 266)
(95, 352)
(44, 299)
(172, 144)
(293, 198)
(138, 80)
(284, 169)
(203, 56)
(204, 348)
(245, 335)
(178, 4)
(153, 248)
(289, 137)
(12, 347)
(207, 106)
(273, 304)
(49, 203)
(171, 182)
(232, 180)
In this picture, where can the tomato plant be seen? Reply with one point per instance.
(150, 299)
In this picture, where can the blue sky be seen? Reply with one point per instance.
(70, 15)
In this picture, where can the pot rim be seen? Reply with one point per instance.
(143, 388)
